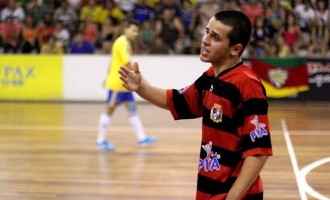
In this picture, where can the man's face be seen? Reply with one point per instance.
(132, 32)
(215, 43)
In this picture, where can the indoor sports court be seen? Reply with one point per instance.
(48, 152)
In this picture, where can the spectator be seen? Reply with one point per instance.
(29, 35)
(62, 35)
(67, 16)
(282, 49)
(305, 17)
(189, 16)
(143, 12)
(14, 11)
(159, 47)
(321, 11)
(260, 38)
(252, 9)
(35, 10)
(91, 9)
(44, 31)
(146, 36)
(127, 6)
(10, 32)
(319, 39)
(81, 45)
(291, 33)
(275, 13)
(168, 4)
(112, 10)
(171, 30)
(233, 5)
(209, 8)
(109, 32)
(90, 30)
(52, 47)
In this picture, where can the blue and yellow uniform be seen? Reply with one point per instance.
(120, 56)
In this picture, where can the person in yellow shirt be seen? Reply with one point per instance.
(117, 94)
(51, 47)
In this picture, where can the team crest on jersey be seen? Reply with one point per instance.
(211, 161)
(278, 77)
(216, 113)
(259, 130)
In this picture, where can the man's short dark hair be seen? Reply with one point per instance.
(241, 26)
(132, 22)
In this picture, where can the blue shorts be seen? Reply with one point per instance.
(116, 98)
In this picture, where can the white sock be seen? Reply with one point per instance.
(137, 126)
(103, 127)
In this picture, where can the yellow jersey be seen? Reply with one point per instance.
(120, 56)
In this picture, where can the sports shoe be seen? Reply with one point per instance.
(147, 141)
(105, 145)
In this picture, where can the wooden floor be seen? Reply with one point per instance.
(47, 152)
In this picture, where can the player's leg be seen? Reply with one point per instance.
(135, 121)
(104, 121)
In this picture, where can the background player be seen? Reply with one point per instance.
(117, 94)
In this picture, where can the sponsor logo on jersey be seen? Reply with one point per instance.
(259, 130)
(211, 162)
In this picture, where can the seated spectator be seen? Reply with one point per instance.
(319, 39)
(90, 30)
(81, 46)
(10, 32)
(62, 35)
(158, 48)
(143, 12)
(36, 10)
(29, 36)
(321, 11)
(14, 11)
(208, 8)
(91, 9)
(291, 33)
(169, 4)
(113, 11)
(44, 31)
(171, 30)
(67, 16)
(253, 10)
(261, 37)
(146, 36)
(282, 49)
(109, 32)
(51, 47)
(305, 15)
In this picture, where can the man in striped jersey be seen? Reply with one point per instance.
(232, 102)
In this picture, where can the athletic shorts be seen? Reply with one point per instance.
(116, 98)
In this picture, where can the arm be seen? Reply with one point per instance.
(133, 81)
(251, 168)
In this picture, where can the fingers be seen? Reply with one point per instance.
(136, 67)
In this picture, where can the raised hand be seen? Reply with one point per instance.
(131, 78)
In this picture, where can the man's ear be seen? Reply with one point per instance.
(236, 49)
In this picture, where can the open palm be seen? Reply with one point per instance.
(131, 79)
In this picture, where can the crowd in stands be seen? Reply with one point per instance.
(281, 28)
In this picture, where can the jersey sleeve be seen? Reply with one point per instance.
(255, 131)
(186, 103)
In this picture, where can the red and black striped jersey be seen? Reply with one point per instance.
(234, 108)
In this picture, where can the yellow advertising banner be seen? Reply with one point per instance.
(31, 77)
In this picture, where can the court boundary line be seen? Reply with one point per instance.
(293, 159)
(303, 186)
